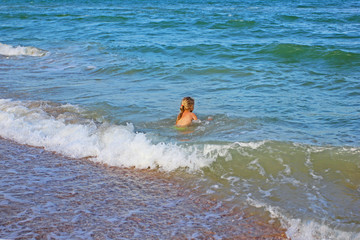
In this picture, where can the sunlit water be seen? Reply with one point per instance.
(104, 81)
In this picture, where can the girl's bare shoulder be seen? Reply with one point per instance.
(194, 116)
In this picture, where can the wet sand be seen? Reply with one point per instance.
(45, 195)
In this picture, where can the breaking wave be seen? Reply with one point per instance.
(8, 50)
(65, 130)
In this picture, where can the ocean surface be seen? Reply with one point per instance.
(97, 85)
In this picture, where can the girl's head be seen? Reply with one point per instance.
(187, 104)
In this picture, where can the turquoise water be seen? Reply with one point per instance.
(279, 78)
(290, 69)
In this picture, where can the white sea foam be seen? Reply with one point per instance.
(224, 150)
(299, 229)
(116, 145)
(8, 50)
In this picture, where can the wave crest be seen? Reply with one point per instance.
(8, 50)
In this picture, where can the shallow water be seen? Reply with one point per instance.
(104, 80)
(44, 195)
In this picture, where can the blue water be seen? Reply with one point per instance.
(279, 78)
(289, 68)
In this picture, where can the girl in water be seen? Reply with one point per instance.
(186, 116)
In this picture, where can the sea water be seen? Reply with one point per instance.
(276, 86)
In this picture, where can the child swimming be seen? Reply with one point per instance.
(186, 116)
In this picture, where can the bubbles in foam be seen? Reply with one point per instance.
(298, 229)
(8, 50)
(31, 125)
(121, 146)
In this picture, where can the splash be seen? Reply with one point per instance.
(298, 229)
(8, 50)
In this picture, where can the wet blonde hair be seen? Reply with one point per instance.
(186, 104)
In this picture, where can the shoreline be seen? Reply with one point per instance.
(44, 194)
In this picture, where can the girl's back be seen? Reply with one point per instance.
(186, 118)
